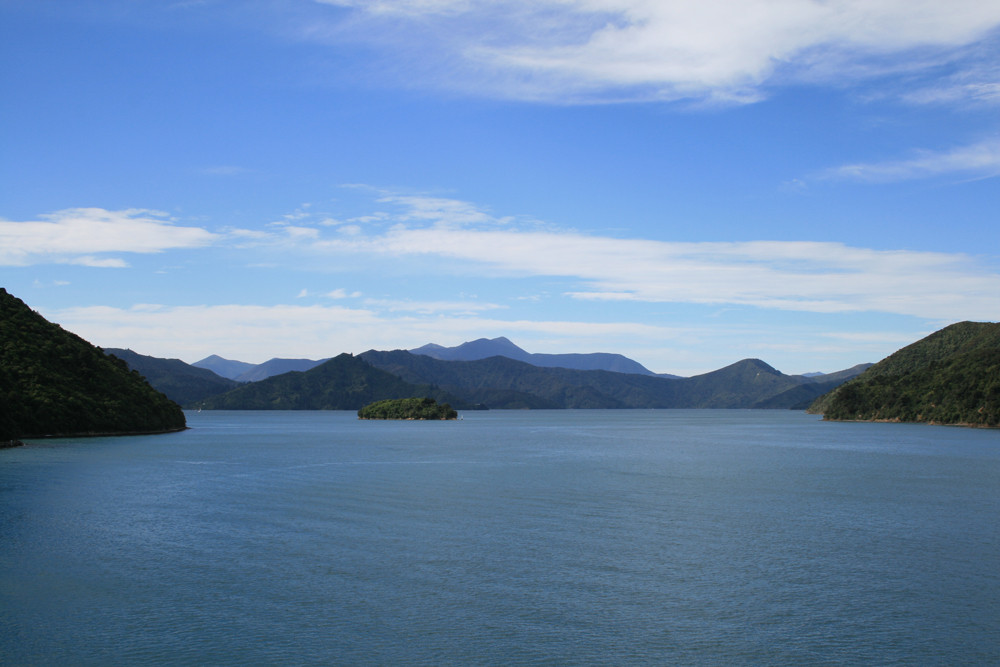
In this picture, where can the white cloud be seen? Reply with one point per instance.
(341, 293)
(98, 263)
(817, 277)
(440, 210)
(981, 159)
(728, 50)
(77, 235)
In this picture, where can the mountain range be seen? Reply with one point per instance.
(481, 348)
(498, 382)
(484, 348)
(53, 382)
(241, 371)
(184, 383)
(345, 382)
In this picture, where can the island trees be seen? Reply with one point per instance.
(407, 408)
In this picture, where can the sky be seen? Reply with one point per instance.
(812, 183)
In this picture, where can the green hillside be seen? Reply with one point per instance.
(345, 382)
(181, 382)
(950, 377)
(53, 382)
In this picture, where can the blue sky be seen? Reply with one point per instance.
(689, 184)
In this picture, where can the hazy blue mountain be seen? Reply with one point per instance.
(277, 366)
(838, 376)
(52, 382)
(181, 382)
(483, 348)
(241, 371)
(226, 368)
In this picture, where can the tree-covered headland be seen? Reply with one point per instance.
(949, 377)
(54, 383)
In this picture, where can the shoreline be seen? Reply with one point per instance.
(94, 434)
(896, 420)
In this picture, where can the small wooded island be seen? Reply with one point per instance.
(407, 408)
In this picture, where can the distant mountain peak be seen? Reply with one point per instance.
(501, 346)
(764, 366)
(212, 358)
(227, 368)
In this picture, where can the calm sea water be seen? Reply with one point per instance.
(543, 537)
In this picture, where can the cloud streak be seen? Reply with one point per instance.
(981, 160)
(818, 277)
(605, 50)
(80, 235)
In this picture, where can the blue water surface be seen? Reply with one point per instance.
(508, 537)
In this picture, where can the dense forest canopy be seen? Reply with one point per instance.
(53, 382)
(407, 408)
(950, 377)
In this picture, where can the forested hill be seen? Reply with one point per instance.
(949, 377)
(181, 382)
(500, 382)
(53, 382)
(342, 383)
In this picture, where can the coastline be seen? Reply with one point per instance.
(95, 434)
(897, 420)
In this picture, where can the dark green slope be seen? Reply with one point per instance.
(799, 397)
(407, 408)
(950, 377)
(741, 385)
(53, 382)
(503, 383)
(345, 382)
(500, 382)
(181, 382)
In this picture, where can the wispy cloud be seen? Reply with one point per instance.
(978, 160)
(432, 307)
(80, 235)
(605, 50)
(417, 235)
(341, 293)
(819, 277)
